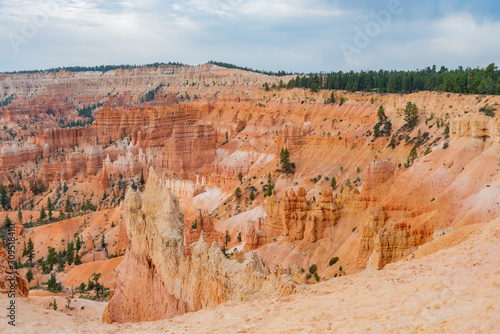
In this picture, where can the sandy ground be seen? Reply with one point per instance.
(454, 290)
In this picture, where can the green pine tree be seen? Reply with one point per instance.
(70, 254)
(141, 181)
(381, 114)
(333, 184)
(30, 250)
(411, 115)
(29, 275)
(227, 238)
(392, 143)
(43, 215)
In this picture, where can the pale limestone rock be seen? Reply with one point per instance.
(156, 280)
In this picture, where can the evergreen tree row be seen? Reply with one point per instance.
(101, 68)
(227, 65)
(464, 81)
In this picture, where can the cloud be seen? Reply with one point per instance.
(457, 39)
(276, 10)
(294, 35)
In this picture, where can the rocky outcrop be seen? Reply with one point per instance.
(382, 242)
(127, 166)
(273, 226)
(476, 126)
(156, 281)
(122, 241)
(190, 147)
(255, 236)
(89, 245)
(289, 137)
(64, 138)
(204, 225)
(64, 170)
(18, 230)
(303, 219)
(183, 188)
(20, 197)
(10, 279)
(104, 180)
(377, 173)
(14, 155)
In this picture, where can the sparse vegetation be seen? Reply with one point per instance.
(237, 192)
(333, 260)
(488, 110)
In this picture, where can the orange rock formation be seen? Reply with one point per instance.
(205, 225)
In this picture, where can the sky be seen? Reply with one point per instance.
(292, 35)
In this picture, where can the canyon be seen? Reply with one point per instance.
(182, 203)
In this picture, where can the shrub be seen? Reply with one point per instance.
(413, 155)
(376, 130)
(316, 276)
(333, 260)
(488, 111)
(237, 192)
(313, 268)
(392, 143)
(445, 145)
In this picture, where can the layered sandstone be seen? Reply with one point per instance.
(377, 173)
(476, 126)
(304, 219)
(64, 138)
(155, 260)
(190, 147)
(15, 155)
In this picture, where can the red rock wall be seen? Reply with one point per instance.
(189, 148)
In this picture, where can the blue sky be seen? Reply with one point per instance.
(292, 35)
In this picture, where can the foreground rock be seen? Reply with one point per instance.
(454, 290)
(156, 281)
(9, 276)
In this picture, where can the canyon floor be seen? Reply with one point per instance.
(451, 290)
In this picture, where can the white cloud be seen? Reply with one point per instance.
(459, 39)
(277, 9)
(295, 35)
